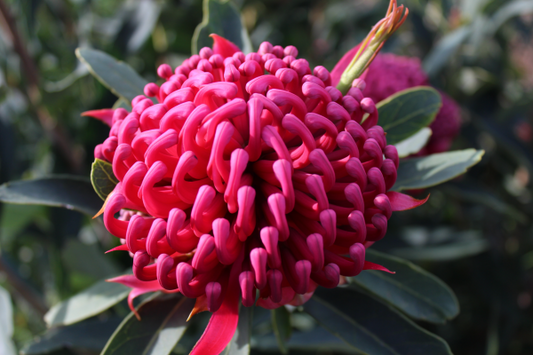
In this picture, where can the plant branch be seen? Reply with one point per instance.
(22, 289)
(49, 125)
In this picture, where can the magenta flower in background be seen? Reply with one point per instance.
(390, 73)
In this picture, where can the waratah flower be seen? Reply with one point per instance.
(249, 172)
(389, 73)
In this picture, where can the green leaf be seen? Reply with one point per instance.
(224, 19)
(314, 341)
(163, 322)
(102, 178)
(407, 112)
(90, 302)
(508, 11)
(413, 290)
(71, 192)
(413, 144)
(240, 343)
(431, 170)
(371, 326)
(90, 335)
(115, 75)
(281, 323)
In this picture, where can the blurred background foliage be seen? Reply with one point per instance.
(475, 232)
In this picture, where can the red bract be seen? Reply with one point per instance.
(248, 181)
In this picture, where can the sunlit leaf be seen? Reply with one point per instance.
(431, 170)
(413, 144)
(221, 17)
(117, 76)
(102, 178)
(413, 290)
(163, 322)
(371, 326)
(407, 112)
(90, 302)
(71, 192)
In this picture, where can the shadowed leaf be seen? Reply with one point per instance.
(407, 112)
(163, 322)
(370, 326)
(117, 76)
(90, 302)
(71, 192)
(413, 290)
(221, 17)
(431, 170)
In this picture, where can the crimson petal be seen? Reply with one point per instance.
(223, 47)
(403, 202)
(373, 266)
(104, 115)
(138, 288)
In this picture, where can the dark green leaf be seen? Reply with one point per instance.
(103, 178)
(407, 112)
(413, 290)
(240, 343)
(90, 302)
(281, 323)
(431, 170)
(460, 248)
(163, 322)
(70, 192)
(370, 326)
(224, 19)
(90, 335)
(312, 342)
(117, 76)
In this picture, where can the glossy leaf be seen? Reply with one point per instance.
(371, 326)
(90, 302)
(281, 323)
(411, 289)
(163, 322)
(71, 192)
(413, 144)
(240, 343)
(431, 170)
(117, 76)
(221, 17)
(407, 112)
(90, 335)
(102, 178)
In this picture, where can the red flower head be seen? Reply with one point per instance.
(251, 172)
